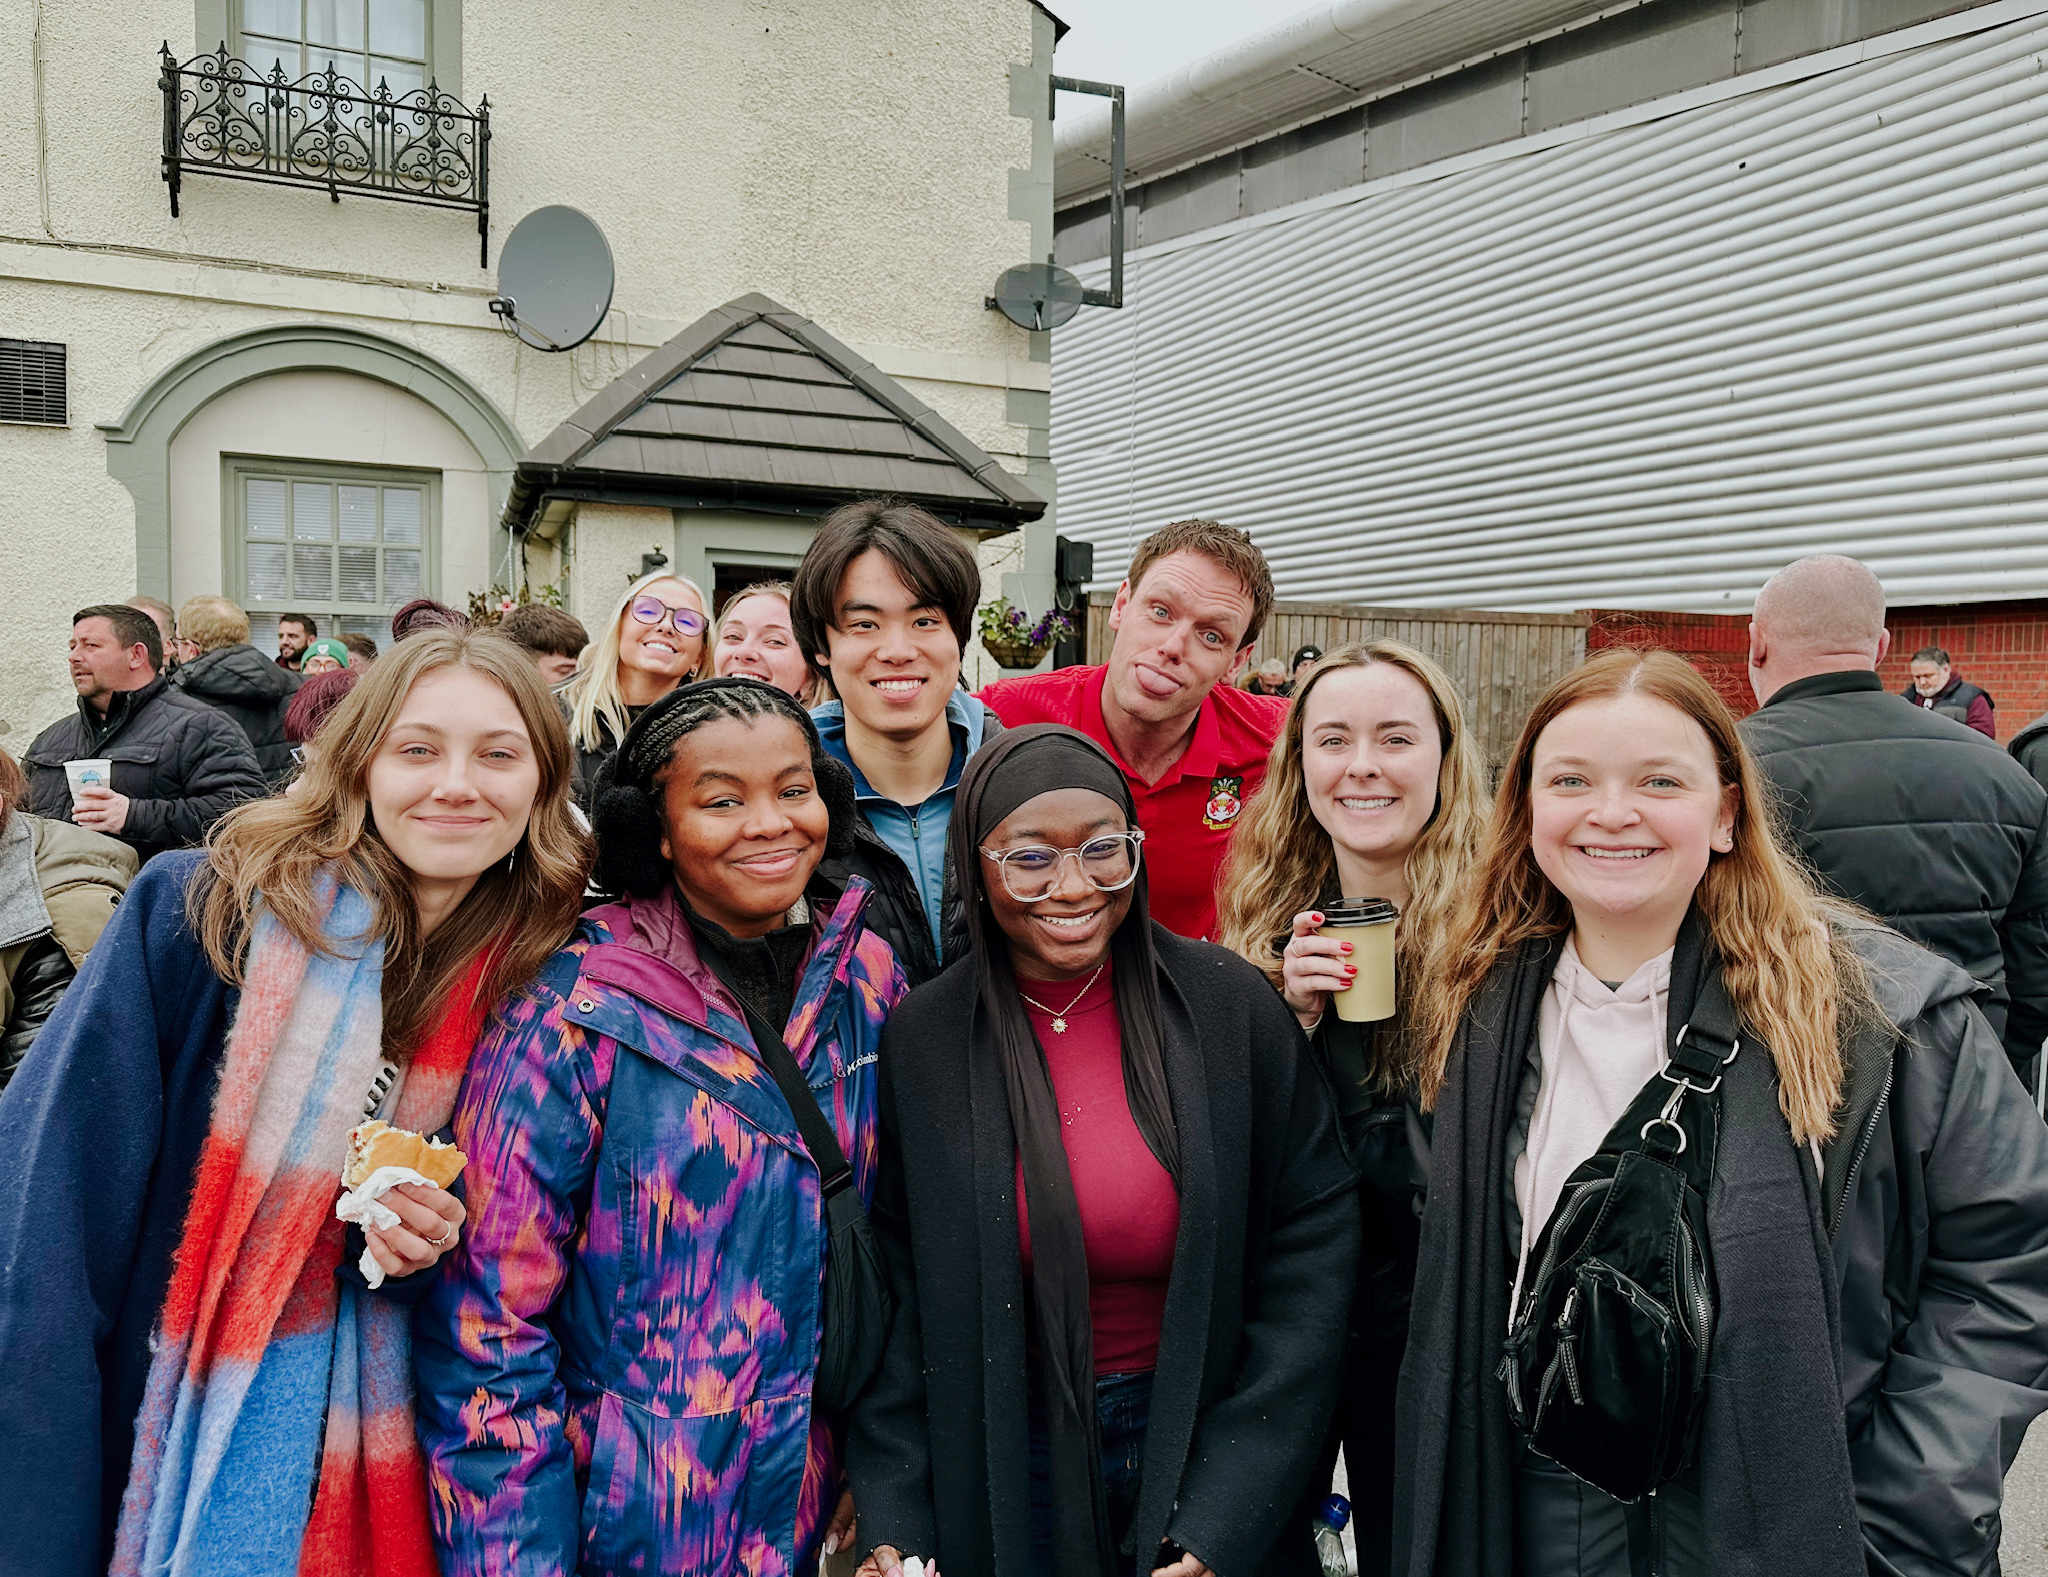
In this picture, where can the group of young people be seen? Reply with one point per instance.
(935, 1139)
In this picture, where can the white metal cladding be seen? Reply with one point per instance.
(1643, 369)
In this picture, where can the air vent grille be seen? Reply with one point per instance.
(32, 385)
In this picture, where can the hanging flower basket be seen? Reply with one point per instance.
(1013, 640)
(1015, 654)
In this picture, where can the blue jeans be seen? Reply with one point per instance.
(1123, 1405)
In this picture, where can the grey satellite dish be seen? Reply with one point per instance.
(1037, 295)
(554, 279)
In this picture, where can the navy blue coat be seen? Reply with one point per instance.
(104, 1121)
(115, 1095)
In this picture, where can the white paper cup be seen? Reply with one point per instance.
(91, 772)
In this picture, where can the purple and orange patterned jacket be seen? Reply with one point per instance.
(615, 1367)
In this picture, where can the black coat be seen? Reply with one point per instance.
(896, 911)
(1387, 1139)
(1933, 1197)
(2029, 748)
(254, 691)
(1924, 822)
(1251, 1346)
(182, 764)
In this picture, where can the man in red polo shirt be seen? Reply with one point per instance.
(1191, 743)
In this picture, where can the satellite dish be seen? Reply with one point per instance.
(554, 279)
(1036, 295)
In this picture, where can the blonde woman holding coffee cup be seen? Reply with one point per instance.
(1341, 881)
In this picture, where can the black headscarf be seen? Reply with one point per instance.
(1017, 766)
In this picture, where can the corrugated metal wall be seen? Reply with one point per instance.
(1500, 661)
(1643, 367)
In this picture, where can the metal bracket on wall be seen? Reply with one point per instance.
(1114, 296)
(1039, 296)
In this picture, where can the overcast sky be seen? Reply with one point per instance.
(1132, 41)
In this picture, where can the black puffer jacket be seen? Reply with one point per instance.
(1940, 1231)
(254, 691)
(1926, 823)
(182, 764)
(2029, 748)
(896, 913)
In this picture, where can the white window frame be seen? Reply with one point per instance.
(236, 473)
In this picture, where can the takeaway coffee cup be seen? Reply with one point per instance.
(94, 772)
(1368, 925)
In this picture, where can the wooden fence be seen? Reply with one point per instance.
(1499, 661)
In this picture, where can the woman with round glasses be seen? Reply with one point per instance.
(653, 642)
(1118, 1222)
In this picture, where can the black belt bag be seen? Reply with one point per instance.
(1606, 1356)
(854, 1320)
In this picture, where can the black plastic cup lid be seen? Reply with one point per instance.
(1360, 911)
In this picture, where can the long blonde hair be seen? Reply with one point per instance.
(1792, 976)
(272, 851)
(1281, 858)
(593, 694)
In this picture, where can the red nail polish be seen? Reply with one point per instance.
(1345, 945)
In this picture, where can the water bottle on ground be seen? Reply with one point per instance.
(1329, 1526)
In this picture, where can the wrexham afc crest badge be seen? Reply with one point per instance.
(1226, 799)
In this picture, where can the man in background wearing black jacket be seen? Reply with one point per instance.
(1906, 812)
(222, 669)
(178, 765)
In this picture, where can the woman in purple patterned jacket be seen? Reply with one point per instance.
(615, 1371)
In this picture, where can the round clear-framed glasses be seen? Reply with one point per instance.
(649, 609)
(1030, 873)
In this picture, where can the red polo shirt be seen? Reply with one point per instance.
(1189, 814)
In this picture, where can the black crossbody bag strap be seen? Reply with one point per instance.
(833, 1171)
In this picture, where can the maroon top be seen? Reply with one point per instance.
(1129, 1211)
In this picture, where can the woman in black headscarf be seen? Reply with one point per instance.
(1118, 1221)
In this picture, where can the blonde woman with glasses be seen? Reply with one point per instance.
(1375, 789)
(654, 641)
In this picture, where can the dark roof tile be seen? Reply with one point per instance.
(761, 402)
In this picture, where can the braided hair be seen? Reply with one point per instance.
(628, 819)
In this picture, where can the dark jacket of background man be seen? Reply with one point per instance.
(1926, 823)
(179, 764)
(1958, 699)
(250, 688)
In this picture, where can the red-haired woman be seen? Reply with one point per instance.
(1689, 1110)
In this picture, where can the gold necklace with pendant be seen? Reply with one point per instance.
(1059, 1017)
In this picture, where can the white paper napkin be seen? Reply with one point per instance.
(364, 1205)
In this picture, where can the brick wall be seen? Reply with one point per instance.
(1717, 644)
(2001, 646)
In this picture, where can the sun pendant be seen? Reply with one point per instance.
(1059, 1026)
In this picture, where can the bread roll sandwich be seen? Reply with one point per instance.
(376, 1143)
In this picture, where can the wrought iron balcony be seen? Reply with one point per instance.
(222, 117)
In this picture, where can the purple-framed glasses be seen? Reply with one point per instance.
(649, 609)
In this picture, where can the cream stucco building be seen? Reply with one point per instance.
(306, 403)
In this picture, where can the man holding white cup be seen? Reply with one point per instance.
(139, 760)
